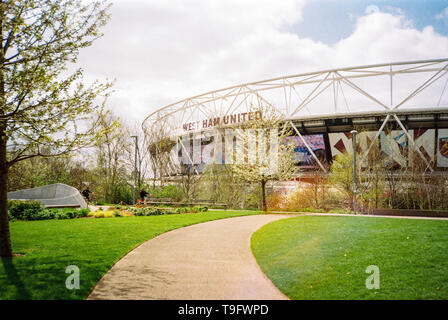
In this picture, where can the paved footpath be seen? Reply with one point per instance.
(210, 260)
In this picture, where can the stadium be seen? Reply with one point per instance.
(403, 106)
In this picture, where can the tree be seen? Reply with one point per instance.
(279, 165)
(42, 105)
(342, 175)
(110, 147)
(160, 151)
(219, 184)
(143, 165)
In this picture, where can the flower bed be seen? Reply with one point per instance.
(127, 211)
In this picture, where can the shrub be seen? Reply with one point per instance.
(61, 216)
(126, 213)
(10, 217)
(24, 210)
(71, 214)
(46, 215)
(196, 209)
(170, 191)
(276, 201)
(179, 211)
(83, 213)
(109, 214)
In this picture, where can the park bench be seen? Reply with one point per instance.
(212, 203)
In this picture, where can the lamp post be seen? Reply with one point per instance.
(354, 133)
(134, 196)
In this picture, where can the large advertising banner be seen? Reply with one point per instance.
(424, 141)
(442, 148)
(303, 156)
(340, 143)
(394, 148)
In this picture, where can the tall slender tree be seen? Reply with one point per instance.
(254, 139)
(42, 104)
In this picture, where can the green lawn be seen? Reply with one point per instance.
(314, 257)
(94, 245)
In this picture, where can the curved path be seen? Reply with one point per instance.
(210, 260)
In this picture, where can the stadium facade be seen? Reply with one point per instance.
(400, 108)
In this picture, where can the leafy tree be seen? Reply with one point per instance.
(41, 103)
(40, 171)
(342, 173)
(279, 165)
(111, 145)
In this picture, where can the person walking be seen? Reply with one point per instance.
(86, 193)
(143, 195)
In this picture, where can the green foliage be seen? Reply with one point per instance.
(25, 210)
(172, 192)
(181, 210)
(43, 103)
(198, 209)
(34, 210)
(342, 172)
(219, 183)
(37, 172)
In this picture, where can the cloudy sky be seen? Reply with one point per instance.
(161, 51)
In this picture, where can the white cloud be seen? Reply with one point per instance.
(164, 51)
(371, 9)
(443, 14)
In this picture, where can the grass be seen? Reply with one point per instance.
(314, 257)
(94, 245)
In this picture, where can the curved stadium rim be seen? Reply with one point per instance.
(390, 64)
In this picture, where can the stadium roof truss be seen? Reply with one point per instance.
(389, 90)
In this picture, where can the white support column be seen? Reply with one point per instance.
(374, 139)
(308, 147)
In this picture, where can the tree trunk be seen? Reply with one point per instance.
(5, 241)
(263, 195)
